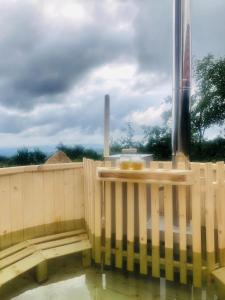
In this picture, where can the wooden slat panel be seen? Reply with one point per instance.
(16, 208)
(221, 212)
(155, 230)
(59, 203)
(119, 224)
(38, 201)
(182, 233)
(69, 193)
(143, 227)
(196, 227)
(5, 213)
(168, 211)
(210, 222)
(108, 223)
(130, 227)
(28, 205)
(48, 198)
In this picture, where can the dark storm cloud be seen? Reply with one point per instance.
(40, 59)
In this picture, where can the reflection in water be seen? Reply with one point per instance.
(71, 282)
(110, 286)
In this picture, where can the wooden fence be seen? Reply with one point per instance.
(40, 200)
(162, 228)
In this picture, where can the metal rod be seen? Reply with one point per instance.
(181, 81)
(106, 126)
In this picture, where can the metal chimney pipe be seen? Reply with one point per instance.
(106, 125)
(181, 81)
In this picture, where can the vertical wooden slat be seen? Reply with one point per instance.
(221, 212)
(16, 208)
(130, 227)
(196, 227)
(182, 233)
(98, 220)
(143, 227)
(119, 224)
(5, 213)
(155, 230)
(210, 222)
(168, 215)
(92, 204)
(108, 223)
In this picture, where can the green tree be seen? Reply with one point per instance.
(208, 103)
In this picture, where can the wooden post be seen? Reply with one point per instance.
(41, 271)
(220, 193)
(86, 258)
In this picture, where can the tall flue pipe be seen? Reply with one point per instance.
(106, 126)
(181, 81)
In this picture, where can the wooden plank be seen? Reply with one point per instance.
(142, 227)
(155, 230)
(61, 242)
(196, 227)
(98, 219)
(210, 222)
(56, 236)
(16, 257)
(168, 215)
(220, 192)
(41, 272)
(16, 208)
(130, 227)
(66, 249)
(182, 196)
(11, 250)
(146, 175)
(108, 223)
(5, 213)
(48, 198)
(20, 267)
(40, 168)
(119, 224)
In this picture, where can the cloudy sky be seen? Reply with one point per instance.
(59, 58)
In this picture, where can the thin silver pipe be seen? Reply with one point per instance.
(181, 81)
(106, 126)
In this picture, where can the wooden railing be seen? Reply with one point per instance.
(40, 200)
(164, 227)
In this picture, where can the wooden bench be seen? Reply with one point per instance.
(36, 252)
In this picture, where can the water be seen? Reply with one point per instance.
(68, 280)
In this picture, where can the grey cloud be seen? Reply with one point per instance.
(39, 60)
